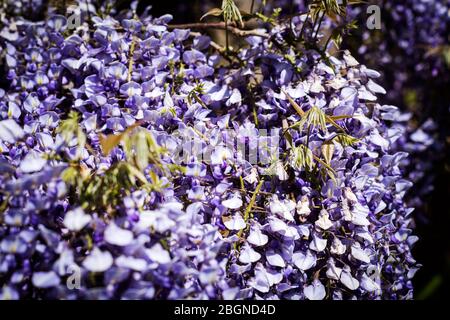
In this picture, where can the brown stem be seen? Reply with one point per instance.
(220, 25)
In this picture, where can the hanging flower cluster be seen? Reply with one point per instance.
(410, 49)
(142, 161)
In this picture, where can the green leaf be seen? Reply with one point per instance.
(137, 173)
(216, 12)
(330, 7)
(317, 118)
(336, 118)
(287, 135)
(314, 117)
(154, 176)
(109, 142)
(346, 140)
(333, 123)
(81, 137)
(302, 158)
(69, 127)
(294, 104)
(330, 171)
(194, 95)
(70, 175)
(327, 149)
(231, 12)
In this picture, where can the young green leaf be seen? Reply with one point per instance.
(216, 12)
(294, 104)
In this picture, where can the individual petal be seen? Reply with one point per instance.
(118, 71)
(219, 155)
(275, 259)
(131, 263)
(338, 247)
(76, 219)
(131, 89)
(315, 291)
(197, 193)
(10, 131)
(203, 71)
(282, 208)
(359, 254)
(333, 272)
(32, 162)
(196, 170)
(248, 255)
(235, 97)
(256, 237)
(98, 261)
(31, 103)
(282, 228)
(158, 254)
(303, 207)
(192, 56)
(318, 244)
(45, 279)
(369, 284)
(304, 261)
(374, 87)
(324, 220)
(117, 236)
(157, 220)
(234, 202)
(348, 280)
(235, 222)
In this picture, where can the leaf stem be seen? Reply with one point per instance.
(226, 37)
(252, 200)
(130, 58)
(318, 26)
(250, 206)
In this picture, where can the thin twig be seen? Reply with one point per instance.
(250, 206)
(308, 136)
(318, 27)
(130, 62)
(303, 26)
(221, 25)
(328, 42)
(252, 201)
(294, 104)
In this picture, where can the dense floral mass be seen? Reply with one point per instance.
(144, 161)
